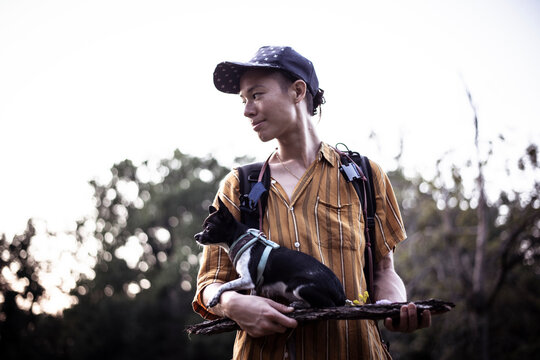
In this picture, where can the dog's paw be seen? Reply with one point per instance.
(213, 302)
(300, 305)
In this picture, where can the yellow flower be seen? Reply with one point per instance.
(362, 299)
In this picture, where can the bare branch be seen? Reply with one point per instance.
(370, 311)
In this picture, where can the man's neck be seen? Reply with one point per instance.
(302, 146)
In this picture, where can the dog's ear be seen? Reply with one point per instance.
(211, 209)
(221, 204)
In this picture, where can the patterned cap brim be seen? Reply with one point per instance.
(227, 75)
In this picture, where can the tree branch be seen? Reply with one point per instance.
(507, 261)
(370, 311)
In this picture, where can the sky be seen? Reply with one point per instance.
(86, 84)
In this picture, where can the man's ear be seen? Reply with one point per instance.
(299, 89)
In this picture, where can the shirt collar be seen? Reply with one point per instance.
(328, 153)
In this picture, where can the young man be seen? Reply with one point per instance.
(310, 208)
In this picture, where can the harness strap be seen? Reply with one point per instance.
(262, 265)
(244, 247)
(245, 244)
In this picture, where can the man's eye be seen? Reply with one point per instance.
(256, 95)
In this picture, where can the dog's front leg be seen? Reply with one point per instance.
(242, 283)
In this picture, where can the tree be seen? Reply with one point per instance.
(439, 258)
(146, 263)
(137, 301)
(20, 289)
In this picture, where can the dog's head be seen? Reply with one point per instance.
(219, 228)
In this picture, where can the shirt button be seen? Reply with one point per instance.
(297, 244)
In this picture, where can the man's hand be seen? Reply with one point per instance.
(408, 320)
(388, 285)
(256, 315)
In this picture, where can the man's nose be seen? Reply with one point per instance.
(249, 110)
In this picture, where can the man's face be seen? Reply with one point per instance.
(268, 103)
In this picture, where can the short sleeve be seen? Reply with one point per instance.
(389, 228)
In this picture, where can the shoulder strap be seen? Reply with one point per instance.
(253, 193)
(357, 170)
(371, 205)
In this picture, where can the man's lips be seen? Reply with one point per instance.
(257, 125)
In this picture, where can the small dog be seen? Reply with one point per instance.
(275, 272)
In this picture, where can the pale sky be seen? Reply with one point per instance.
(85, 84)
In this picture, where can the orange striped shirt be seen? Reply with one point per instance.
(323, 219)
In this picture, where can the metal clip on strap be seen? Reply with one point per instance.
(350, 171)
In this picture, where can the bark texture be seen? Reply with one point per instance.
(369, 311)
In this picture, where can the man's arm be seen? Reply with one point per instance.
(389, 286)
(256, 315)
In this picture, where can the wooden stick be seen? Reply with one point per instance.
(369, 311)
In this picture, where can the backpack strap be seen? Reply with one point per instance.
(254, 184)
(363, 185)
(248, 207)
(357, 170)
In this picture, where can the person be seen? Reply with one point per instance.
(310, 208)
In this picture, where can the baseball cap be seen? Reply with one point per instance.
(227, 74)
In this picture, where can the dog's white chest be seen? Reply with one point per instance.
(242, 266)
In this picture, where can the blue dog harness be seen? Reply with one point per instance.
(246, 241)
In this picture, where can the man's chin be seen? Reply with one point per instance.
(264, 138)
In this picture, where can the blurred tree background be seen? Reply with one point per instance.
(482, 255)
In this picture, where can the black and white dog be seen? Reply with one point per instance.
(275, 272)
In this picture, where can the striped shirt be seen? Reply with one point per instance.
(323, 219)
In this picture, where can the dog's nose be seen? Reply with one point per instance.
(197, 236)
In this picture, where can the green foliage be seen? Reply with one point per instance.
(438, 258)
(137, 306)
(134, 306)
